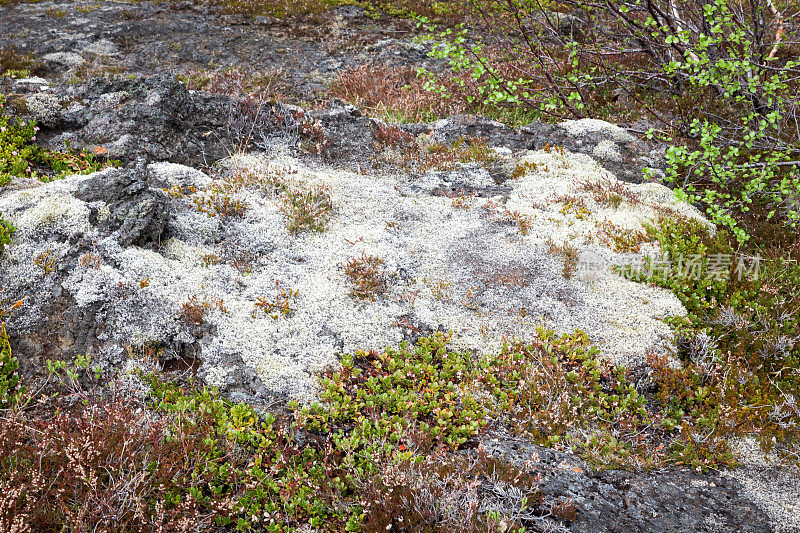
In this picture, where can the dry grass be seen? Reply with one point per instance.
(395, 146)
(570, 255)
(394, 94)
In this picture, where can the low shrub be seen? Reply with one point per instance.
(739, 343)
(10, 387)
(376, 450)
(280, 304)
(307, 208)
(20, 157)
(15, 64)
(7, 229)
(368, 276)
(398, 148)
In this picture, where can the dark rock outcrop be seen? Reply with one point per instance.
(138, 214)
(669, 501)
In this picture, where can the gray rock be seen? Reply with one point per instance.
(137, 214)
(615, 149)
(670, 500)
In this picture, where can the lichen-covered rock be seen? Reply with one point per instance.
(123, 204)
(127, 260)
(154, 118)
(620, 152)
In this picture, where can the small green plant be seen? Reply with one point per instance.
(47, 261)
(440, 289)
(217, 201)
(210, 259)
(368, 276)
(502, 214)
(20, 157)
(620, 238)
(17, 154)
(7, 230)
(280, 304)
(307, 208)
(193, 311)
(400, 148)
(575, 206)
(611, 193)
(10, 386)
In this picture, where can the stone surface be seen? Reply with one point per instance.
(616, 501)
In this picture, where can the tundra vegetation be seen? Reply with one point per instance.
(388, 442)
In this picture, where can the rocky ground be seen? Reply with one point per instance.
(488, 244)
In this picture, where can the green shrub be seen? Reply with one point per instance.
(20, 157)
(739, 343)
(719, 78)
(307, 208)
(7, 229)
(10, 386)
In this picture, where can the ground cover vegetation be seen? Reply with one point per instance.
(391, 440)
(20, 156)
(716, 81)
(155, 451)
